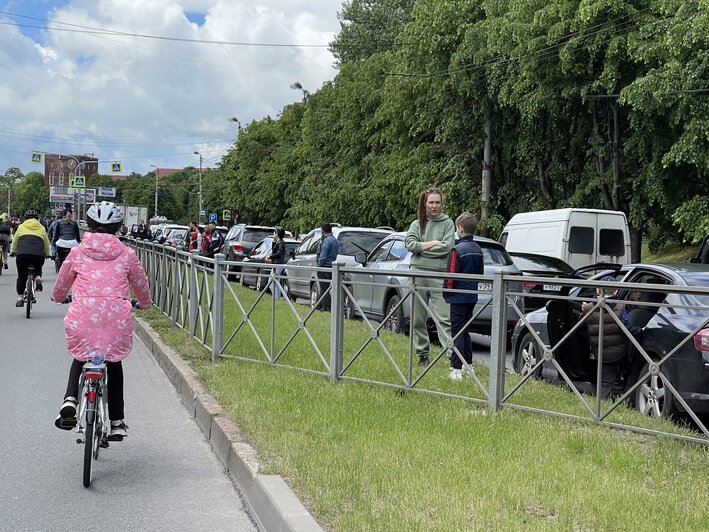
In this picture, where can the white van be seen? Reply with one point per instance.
(577, 236)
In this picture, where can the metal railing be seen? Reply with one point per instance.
(197, 294)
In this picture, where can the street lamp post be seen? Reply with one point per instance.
(200, 185)
(77, 196)
(296, 86)
(157, 172)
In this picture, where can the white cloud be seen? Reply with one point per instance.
(147, 101)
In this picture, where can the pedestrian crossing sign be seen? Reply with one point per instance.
(226, 214)
(36, 157)
(116, 167)
(77, 181)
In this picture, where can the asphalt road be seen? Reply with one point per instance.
(163, 476)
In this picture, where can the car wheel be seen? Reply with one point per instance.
(652, 397)
(286, 288)
(348, 305)
(395, 322)
(314, 294)
(527, 355)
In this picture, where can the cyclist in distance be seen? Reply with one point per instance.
(100, 272)
(31, 246)
(5, 230)
(66, 235)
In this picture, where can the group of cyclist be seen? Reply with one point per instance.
(100, 271)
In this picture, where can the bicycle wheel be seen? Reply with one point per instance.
(30, 297)
(89, 439)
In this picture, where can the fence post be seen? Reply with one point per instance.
(336, 323)
(272, 282)
(218, 307)
(176, 296)
(194, 301)
(498, 342)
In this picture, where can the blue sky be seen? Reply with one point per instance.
(152, 101)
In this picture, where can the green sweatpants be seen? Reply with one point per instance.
(430, 291)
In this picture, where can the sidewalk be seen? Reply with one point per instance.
(271, 501)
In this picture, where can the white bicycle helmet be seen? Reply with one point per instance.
(105, 213)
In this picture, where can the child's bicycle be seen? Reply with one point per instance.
(92, 415)
(92, 418)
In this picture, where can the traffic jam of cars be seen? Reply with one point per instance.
(580, 313)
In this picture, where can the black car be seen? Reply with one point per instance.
(678, 326)
(533, 265)
(251, 274)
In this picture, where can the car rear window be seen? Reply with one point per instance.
(551, 264)
(256, 235)
(494, 254)
(351, 242)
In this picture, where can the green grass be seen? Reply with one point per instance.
(365, 457)
(673, 252)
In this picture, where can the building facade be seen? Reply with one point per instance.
(58, 169)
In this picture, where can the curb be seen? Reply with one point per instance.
(271, 502)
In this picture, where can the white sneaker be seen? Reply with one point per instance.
(456, 375)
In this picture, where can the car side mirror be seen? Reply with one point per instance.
(291, 253)
(361, 258)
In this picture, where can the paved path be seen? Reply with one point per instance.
(163, 476)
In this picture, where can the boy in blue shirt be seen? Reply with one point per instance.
(466, 257)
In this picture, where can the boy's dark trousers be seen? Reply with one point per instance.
(460, 315)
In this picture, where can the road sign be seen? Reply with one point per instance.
(107, 192)
(116, 167)
(202, 213)
(36, 157)
(226, 215)
(77, 181)
(212, 217)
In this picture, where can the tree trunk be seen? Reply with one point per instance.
(636, 242)
(486, 185)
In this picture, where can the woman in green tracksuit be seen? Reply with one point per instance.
(430, 239)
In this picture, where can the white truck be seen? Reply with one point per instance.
(132, 214)
(578, 236)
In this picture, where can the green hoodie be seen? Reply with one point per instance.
(436, 258)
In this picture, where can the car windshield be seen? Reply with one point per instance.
(256, 235)
(351, 242)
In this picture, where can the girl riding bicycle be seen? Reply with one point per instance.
(102, 272)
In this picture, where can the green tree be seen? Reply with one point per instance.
(30, 193)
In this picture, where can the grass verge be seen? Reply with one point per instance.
(363, 457)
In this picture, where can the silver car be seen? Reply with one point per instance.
(303, 282)
(378, 294)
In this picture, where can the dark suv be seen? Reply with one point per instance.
(303, 282)
(242, 238)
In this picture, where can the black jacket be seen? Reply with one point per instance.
(466, 257)
(278, 252)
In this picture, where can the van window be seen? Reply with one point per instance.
(611, 242)
(581, 240)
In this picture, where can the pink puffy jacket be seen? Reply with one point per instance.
(101, 270)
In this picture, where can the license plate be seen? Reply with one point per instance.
(552, 288)
(485, 287)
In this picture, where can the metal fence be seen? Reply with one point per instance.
(236, 323)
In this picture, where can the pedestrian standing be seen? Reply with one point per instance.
(466, 257)
(327, 254)
(278, 256)
(430, 239)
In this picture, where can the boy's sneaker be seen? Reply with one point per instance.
(66, 420)
(20, 302)
(456, 374)
(38, 284)
(118, 430)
